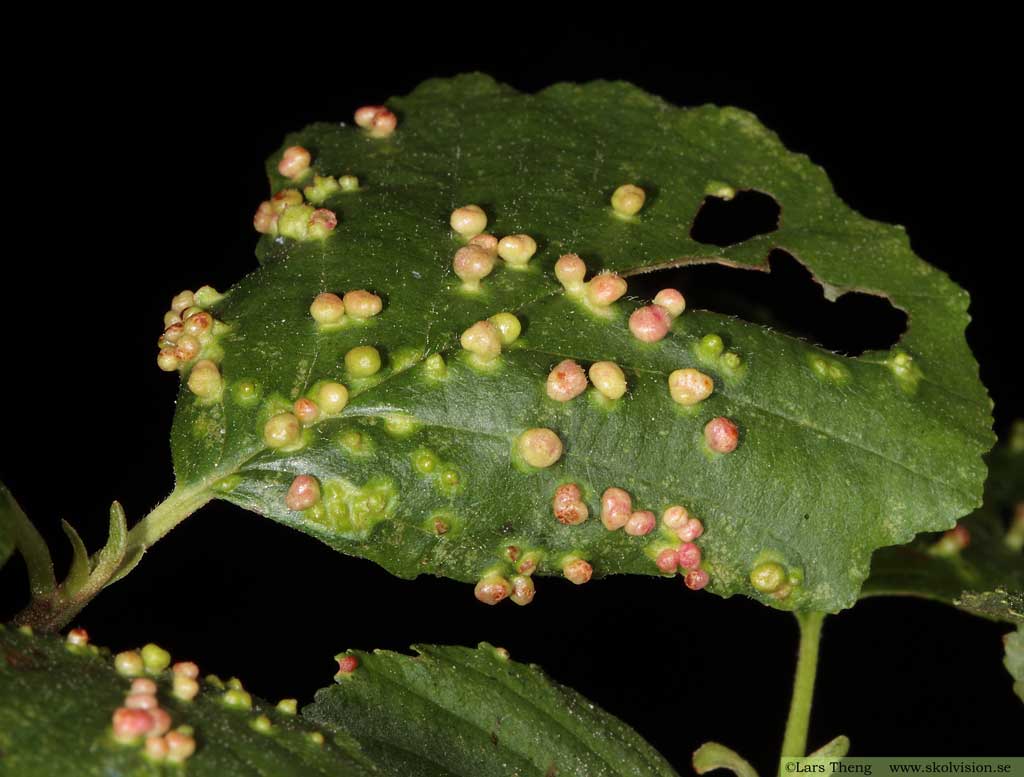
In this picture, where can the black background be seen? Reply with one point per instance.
(141, 181)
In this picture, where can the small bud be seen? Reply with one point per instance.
(483, 340)
(306, 411)
(294, 162)
(184, 688)
(577, 571)
(182, 301)
(608, 379)
(288, 706)
(641, 523)
(616, 508)
(187, 349)
(469, 220)
(362, 304)
(721, 435)
(688, 555)
(667, 561)
(78, 638)
(672, 301)
(696, 579)
(508, 327)
(332, 398)
(603, 289)
(321, 223)
(649, 324)
(348, 183)
(517, 250)
(675, 517)
(628, 199)
(129, 663)
(471, 264)
(690, 530)
(487, 242)
(155, 658)
(363, 361)
(492, 589)
(570, 271)
(140, 701)
(166, 360)
(180, 746)
(282, 431)
(539, 447)
(204, 381)
(143, 685)
(303, 493)
(523, 590)
(689, 386)
(568, 505)
(768, 577)
(156, 748)
(130, 724)
(566, 381)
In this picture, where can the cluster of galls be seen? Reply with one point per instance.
(283, 431)
(772, 578)
(476, 260)
(189, 329)
(330, 311)
(141, 718)
(286, 214)
(484, 339)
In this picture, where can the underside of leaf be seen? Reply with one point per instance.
(421, 471)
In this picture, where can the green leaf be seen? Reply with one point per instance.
(457, 711)
(449, 711)
(986, 577)
(17, 529)
(837, 456)
(712, 755)
(1014, 642)
(57, 701)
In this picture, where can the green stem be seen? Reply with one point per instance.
(794, 743)
(53, 609)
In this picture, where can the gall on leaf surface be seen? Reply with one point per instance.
(836, 456)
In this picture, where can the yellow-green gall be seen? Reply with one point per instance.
(628, 199)
(167, 360)
(469, 220)
(472, 264)
(539, 447)
(608, 379)
(129, 663)
(362, 304)
(710, 346)
(327, 308)
(238, 699)
(768, 577)
(282, 431)
(332, 398)
(483, 340)
(207, 295)
(517, 250)
(363, 361)
(184, 688)
(155, 658)
(348, 183)
(182, 301)
(689, 386)
(321, 188)
(288, 706)
(171, 318)
(508, 327)
(262, 724)
(204, 381)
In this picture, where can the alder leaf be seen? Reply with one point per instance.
(836, 456)
(449, 711)
(452, 711)
(985, 576)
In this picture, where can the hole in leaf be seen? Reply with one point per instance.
(727, 222)
(786, 298)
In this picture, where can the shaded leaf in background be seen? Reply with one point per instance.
(837, 456)
(456, 711)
